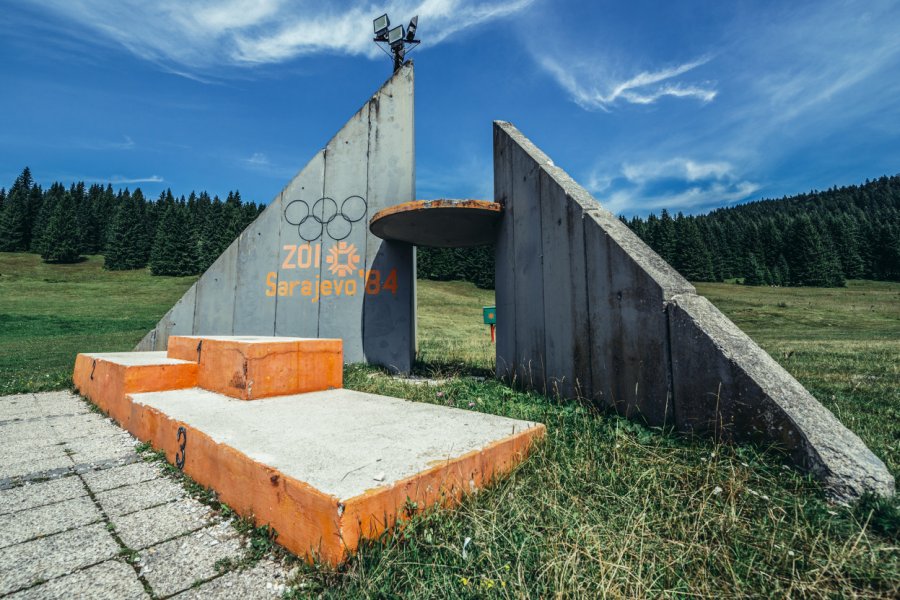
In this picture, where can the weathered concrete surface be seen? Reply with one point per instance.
(67, 537)
(441, 223)
(354, 463)
(725, 383)
(379, 442)
(308, 266)
(616, 324)
(388, 320)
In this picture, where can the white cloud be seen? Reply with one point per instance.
(691, 200)
(258, 159)
(592, 88)
(119, 179)
(677, 184)
(261, 163)
(126, 144)
(679, 168)
(185, 37)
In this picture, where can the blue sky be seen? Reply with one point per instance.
(681, 105)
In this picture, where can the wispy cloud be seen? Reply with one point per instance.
(126, 144)
(592, 88)
(119, 179)
(677, 184)
(260, 162)
(187, 37)
(677, 168)
(258, 159)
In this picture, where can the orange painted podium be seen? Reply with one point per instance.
(265, 422)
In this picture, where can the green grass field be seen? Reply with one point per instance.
(604, 507)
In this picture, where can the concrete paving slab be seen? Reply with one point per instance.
(35, 469)
(139, 496)
(342, 442)
(31, 495)
(37, 430)
(111, 580)
(89, 449)
(176, 565)
(262, 581)
(145, 528)
(20, 455)
(60, 403)
(107, 479)
(47, 520)
(20, 406)
(24, 565)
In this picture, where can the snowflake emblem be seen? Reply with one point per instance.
(342, 259)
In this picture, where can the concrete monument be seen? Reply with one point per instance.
(308, 266)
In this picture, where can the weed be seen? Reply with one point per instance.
(129, 554)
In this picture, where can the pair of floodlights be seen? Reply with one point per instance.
(396, 38)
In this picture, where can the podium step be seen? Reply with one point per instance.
(252, 367)
(326, 469)
(106, 378)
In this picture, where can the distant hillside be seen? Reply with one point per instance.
(815, 239)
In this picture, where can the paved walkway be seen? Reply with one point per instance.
(82, 515)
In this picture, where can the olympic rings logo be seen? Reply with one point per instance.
(324, 217)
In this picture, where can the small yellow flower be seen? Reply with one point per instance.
(464, 580)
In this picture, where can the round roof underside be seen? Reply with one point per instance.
(439, 223)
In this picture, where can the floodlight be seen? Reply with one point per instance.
(395, 36)
(381, 25)
(398, 39)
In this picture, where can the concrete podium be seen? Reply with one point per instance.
(266, 424)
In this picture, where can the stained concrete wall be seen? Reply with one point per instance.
(585, 308)
(308, 265)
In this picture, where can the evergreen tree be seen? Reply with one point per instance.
(35, 211)
(173, 248)
(887, 253)
(124, 249)
(666, 237)
(61, 239)
(755, 274)
(692, 258)
(41, 220)
(86, 210)
(2, 198)
(811, 261)
(14, 221)
(208, 244)
(12, 224)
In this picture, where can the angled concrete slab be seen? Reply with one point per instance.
(657, 351)
(307, 266)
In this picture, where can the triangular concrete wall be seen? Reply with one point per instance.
(585, 308)
(308, 266)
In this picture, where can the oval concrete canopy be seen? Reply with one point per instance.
(439, 223)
